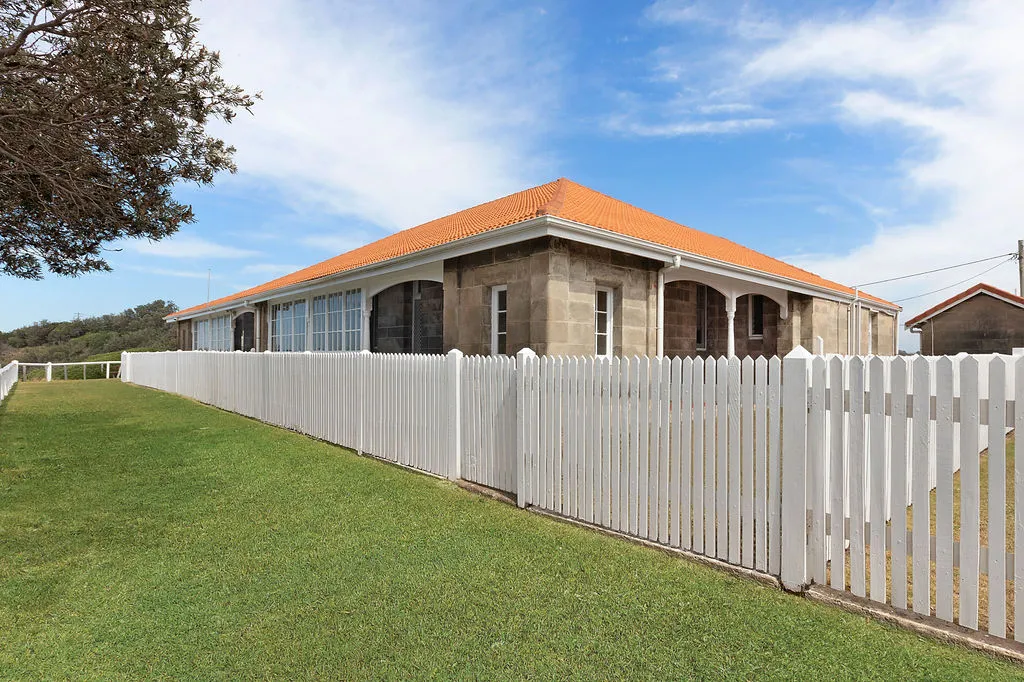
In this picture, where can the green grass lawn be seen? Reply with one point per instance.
(144, 535)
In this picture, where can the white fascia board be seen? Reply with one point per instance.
(546, 226)
(640, 247)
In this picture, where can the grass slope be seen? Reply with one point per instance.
(143, 535)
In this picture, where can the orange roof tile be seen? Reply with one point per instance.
(563, 199)
(963, 295)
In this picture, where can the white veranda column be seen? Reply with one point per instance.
(730, 314)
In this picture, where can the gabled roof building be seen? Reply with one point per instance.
(559, 268)
(981, 319)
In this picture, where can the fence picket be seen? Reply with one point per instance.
(856, 468)
(996, 497)
(898, 467)
(747, 476)
(653, 433)
(921, 504)
(817, 483)
(1018, 508)
(664, 475)
(774, 465)
(733, 467)
(697, 454)
(710, 438)
(761, 464)
(676, 453)
(877, 477)
(944, 490)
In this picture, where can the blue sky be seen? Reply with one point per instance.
(861, 140)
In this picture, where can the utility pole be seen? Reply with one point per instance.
(1020, 265)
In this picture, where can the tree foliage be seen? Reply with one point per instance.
(103, 108)
(139, 327)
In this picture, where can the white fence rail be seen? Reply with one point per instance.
(49, 367)
(801, 468)
(8, 377)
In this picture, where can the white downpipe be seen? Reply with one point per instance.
(661, 312)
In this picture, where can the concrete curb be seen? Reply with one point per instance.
(738, 571)
(915, 622)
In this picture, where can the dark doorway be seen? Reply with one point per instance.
(245, 336)
(408, 318)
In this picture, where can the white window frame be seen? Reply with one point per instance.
(871, 332)
(750, 317)
(495, 290)
(701, 313)
(609, 332)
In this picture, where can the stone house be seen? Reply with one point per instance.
(559, 268)
(982, 319)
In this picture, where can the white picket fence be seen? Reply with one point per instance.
(8, 377)
(797, 468)
(898, 429)
(683, 452)
(395, 407)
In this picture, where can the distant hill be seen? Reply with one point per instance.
(139, 328)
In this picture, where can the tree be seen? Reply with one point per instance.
(103, 108)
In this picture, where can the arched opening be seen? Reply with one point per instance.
(408, 318)
(697, 322)
(245, 332)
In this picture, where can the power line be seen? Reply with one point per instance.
(928, 272)
(1013, 257)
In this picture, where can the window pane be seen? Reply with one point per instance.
(602, 344)
(602, 301)
(503, 300)
(502, 344)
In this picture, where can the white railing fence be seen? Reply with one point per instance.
(8, 377)
(800, 468)
(102, 369)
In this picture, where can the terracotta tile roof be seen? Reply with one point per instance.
(963, 295)
(561, 198)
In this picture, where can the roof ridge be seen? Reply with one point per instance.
(960, 296)
(554, 205)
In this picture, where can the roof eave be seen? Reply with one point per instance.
(541, 226)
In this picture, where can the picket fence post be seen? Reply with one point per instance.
(523, 358)
(795, 368)
(455, 413)
(362, 369)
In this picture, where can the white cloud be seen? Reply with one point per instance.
(691, 127)
(187, 246)
(392, 112)
(950, 79)
(185, 274)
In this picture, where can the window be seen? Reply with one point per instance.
(353, 319)
(212, 333)
(603, 303)
(872, 322)
(499, 320)
(755, 316)
(702, 317)
(319, 323)
(288, 326)
(337, 322)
